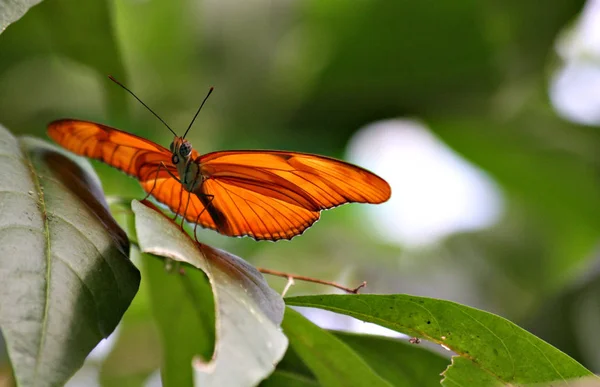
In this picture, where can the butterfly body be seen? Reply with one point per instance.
(187, 168)
(264, 194)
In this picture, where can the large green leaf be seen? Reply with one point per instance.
(333, 362)
(399, 362)
(486, 343)
(64, 268)
(13, 10)
(248, 312)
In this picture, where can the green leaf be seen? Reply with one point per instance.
(488, 342)
(534, 173)
(248, 312)
(291, 367)
(100, 50)
(187, 326)
(135, 356)
(581, 382)
(288, 379)
(81, 31)
(181, 331)
(13, 10)
(399, 362)
(333, 362)
(64, 268)
(463, 373)
(136, 353)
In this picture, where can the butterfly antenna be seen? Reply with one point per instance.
(146, 106)
(200, 108)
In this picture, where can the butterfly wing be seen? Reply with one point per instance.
(263, 194)
(171, 193)
(135, 156)
(237, 212)
(131, 154)
(277, 195)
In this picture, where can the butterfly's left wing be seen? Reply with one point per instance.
(149, 162)
(277, 195)
(136, 156)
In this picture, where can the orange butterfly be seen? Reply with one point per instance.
(267, 195)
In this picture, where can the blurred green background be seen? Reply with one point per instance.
(473, 111)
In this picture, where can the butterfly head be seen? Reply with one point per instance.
(181, 150)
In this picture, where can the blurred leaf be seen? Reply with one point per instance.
(6, 376)
(582, 382)
(64, 268)
(184, 311)
(430, 59)
(137, 352)
(135, 356)
(13, 10)
(400, 363)
(534, 169)
(146, 33)
(288, 379)
(292, 364)
(248, 313)
(490, 343)
(333, 362)
(523, 34)
(81, 31)
(575, 314)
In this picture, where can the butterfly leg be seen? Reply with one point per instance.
(180, 192)
(154, 185)
(170, 173)
(210, 199)
(179, 206)
(161, 165)
(185, 211)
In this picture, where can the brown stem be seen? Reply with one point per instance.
(310, 279)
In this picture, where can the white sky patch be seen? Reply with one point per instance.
(104, 347)
(339, 322)
(575, 87)
(435, 192)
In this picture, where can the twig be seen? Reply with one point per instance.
(310, 279)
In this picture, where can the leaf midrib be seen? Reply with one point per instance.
(46, 232)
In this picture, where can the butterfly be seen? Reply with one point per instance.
(263, 194)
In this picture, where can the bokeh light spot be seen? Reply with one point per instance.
(435, 192)
(575, 87)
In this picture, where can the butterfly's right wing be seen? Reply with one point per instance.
(276, 195)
